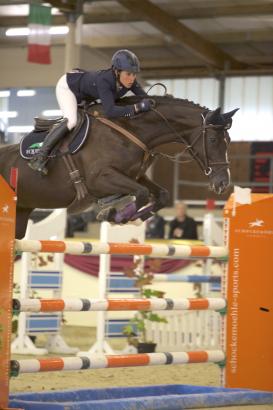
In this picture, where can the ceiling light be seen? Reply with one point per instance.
(4, 93)
(19, 31)
(20, 128)
(26, 93)
(24, 31)
(52, 113)
(8, 114)
(58, 30)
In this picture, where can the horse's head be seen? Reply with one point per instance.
(210, 145)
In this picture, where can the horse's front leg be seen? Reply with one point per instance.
(22, 216)
(160, 196)
(110, 182)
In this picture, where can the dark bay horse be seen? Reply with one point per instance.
(111, 164)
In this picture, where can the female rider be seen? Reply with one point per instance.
(107, 85)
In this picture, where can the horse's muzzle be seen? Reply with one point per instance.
(219, 182)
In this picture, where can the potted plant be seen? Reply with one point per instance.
(136, 330)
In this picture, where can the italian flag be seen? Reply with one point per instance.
(39, 37)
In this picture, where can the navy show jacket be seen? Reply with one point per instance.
(103, 85)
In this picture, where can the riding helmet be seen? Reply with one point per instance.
(125, 60)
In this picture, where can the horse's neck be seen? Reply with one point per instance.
(179, 124)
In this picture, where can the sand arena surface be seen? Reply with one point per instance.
(198, 374)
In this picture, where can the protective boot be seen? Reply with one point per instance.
(57, 132)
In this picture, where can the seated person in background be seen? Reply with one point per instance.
(155, 227)
(183, 226)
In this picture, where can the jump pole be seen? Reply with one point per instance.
(110, 248)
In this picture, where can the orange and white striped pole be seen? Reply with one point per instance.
(100, 361)
(99, 305)
(98, 248)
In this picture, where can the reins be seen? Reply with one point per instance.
(204, 165)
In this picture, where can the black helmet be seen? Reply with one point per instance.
(125, 60)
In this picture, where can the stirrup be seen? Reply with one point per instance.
(38, 165)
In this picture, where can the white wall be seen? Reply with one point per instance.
(253, 95)
(202, 91)
(17, 72)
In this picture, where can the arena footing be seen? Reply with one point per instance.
(163, 397)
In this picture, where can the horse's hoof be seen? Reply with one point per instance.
(107, 214)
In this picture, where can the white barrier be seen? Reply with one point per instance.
(42, 273)
(191, 330)
(174, 335)
(111, 233)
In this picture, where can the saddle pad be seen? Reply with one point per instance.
(31, 143)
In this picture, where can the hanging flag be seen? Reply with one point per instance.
(39, 37)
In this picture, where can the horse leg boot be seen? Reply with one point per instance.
(57, 132)
(112, 181)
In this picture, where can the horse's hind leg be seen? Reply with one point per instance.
(22, 215)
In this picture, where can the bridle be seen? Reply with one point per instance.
(206, 165)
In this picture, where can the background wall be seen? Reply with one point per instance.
(163, 174)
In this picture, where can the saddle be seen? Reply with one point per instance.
(31, 143)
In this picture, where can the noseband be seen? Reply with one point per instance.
(205, 165)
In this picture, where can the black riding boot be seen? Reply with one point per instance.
(57, 132)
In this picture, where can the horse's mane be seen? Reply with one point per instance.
(161, 100)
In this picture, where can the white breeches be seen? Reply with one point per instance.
(67, 102)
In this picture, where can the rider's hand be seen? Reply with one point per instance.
(143, 106)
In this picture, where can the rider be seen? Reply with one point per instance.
(107, 85)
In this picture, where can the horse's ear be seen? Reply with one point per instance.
(228, 115)
(214, 117)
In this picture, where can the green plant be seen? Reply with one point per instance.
(143, 277)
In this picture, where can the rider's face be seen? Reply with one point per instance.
(127, 79)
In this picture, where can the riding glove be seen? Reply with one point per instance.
(143, 106)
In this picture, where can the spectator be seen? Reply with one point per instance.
(2, 134)
(183, 226)
(155, 227)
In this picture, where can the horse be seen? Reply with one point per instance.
(109, 163)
